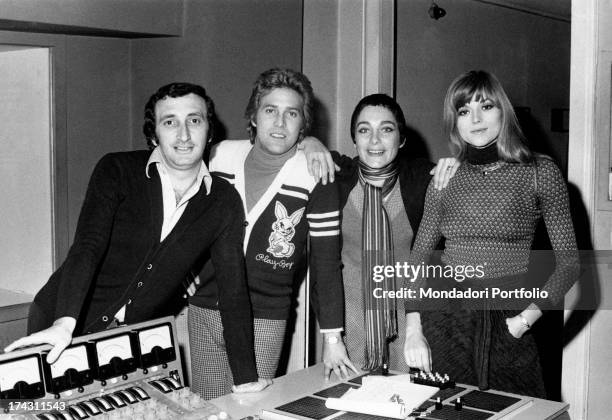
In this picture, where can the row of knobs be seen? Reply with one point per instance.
(152, 409)
(192, 401)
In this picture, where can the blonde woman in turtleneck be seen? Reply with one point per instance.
(488, 216)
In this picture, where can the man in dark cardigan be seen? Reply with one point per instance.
(148, 216)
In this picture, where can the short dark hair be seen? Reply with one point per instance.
(280, 78)
(384, 100)
(480, 85)
(175, 90)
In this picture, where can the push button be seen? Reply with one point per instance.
(150, 266)
(105, 318)
(139, 284)
(245, 223)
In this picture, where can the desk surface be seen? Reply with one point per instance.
(14, 305)
(308, 381)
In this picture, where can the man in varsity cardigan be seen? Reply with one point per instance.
(284, 206)
(148, 216)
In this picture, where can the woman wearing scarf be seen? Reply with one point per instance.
(382, 200)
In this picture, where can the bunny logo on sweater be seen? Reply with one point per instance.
(283, 231)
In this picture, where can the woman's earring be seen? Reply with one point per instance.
(403, 143)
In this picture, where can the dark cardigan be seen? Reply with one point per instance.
(413, 177)
(117, 258)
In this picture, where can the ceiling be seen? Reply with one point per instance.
(559, 9)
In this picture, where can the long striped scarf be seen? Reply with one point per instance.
(377, 250)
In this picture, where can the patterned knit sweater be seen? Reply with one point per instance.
(488, 215)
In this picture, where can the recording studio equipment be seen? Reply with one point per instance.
(130, 372)
(432, 379)
(452, 402)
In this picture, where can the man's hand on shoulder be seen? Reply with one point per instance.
(59, 335)
(319, 160)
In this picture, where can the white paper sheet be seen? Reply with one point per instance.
(385, 409)
(389, 396)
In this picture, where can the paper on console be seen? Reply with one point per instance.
(388, 396)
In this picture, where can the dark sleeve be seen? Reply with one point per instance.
(421, 168)
(91, 239)
(414, 179)
(323, 216)
(554, 203)
(344, 162)
(234, 304)
(427, 238)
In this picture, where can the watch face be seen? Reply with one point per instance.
(332, 340)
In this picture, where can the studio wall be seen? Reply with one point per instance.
(144, 17)
(225, 45)
(97, 110)
(90, 94)
(529, 54)
(101, 83)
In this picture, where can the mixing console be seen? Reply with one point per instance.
(130, 372)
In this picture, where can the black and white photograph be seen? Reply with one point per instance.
(305, 209)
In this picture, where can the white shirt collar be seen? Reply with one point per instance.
(203, 174)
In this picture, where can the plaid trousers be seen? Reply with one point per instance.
(211, 376)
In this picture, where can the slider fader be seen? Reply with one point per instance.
(130, 372)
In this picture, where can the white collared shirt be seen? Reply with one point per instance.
(172, 210)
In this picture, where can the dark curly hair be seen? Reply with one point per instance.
(176, 90)
(280, 78)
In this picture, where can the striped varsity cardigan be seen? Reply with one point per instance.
(294, 208)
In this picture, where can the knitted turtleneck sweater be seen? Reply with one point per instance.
(488, 215)
(260, 169)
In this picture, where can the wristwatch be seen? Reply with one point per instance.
(524, 321)
(332, 339)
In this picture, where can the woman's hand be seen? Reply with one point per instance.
(521, 323)
(416, 348)
(335, 357)
(444, 171)
(319, 160)
(417, 352)
(516, 327)
(260, 385)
